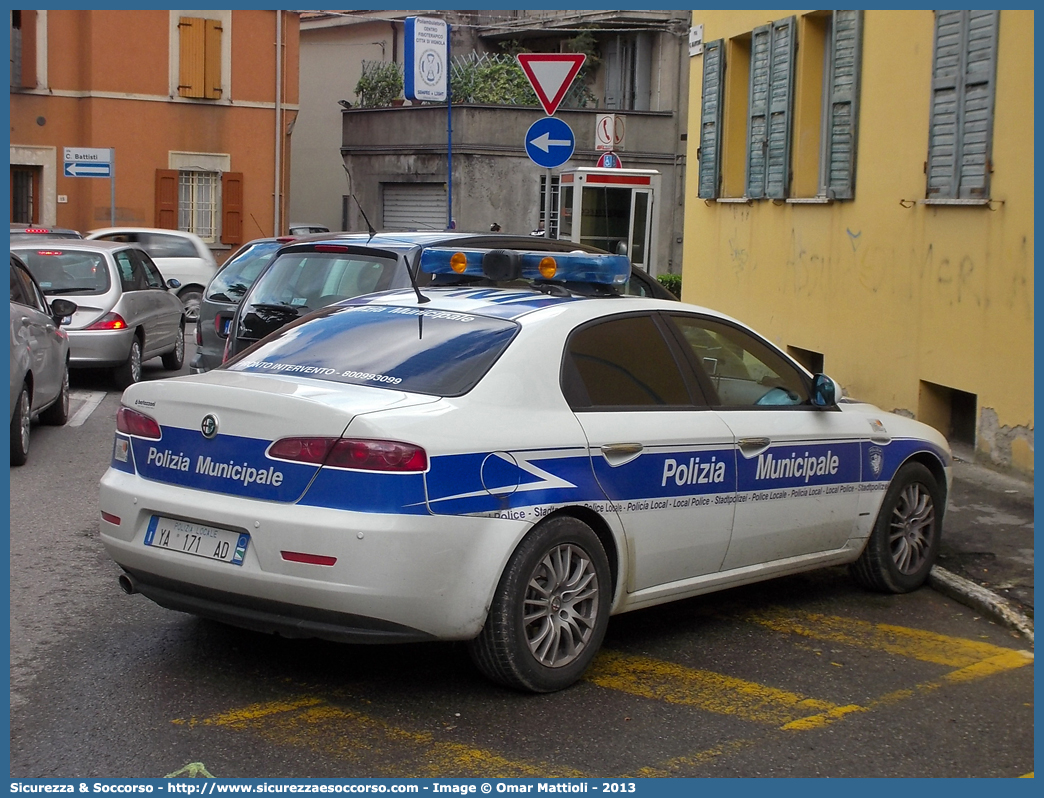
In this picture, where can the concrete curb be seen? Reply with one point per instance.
(979, 598)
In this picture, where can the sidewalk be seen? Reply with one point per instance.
(986, 555)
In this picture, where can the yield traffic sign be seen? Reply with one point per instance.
(549, 142)
(550, 74)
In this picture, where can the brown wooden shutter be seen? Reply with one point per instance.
(232, 208)
(191, 57)
(167, 198)
(212, 60)
(28, 49)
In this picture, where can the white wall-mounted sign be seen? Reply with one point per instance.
(609, 132)
(696, 40)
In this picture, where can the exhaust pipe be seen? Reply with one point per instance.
(127, 584)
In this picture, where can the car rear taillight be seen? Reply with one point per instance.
(227, 353)
(329, 248)
(355, 453)
(138, 424)
(37, 230)
(199, 335)
(110, 321)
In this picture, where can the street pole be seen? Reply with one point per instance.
(449, 136)
(112, 186)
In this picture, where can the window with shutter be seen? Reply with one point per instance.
(232, 208)
(199, 65)
(842, 97)
(771, 102)
(960, 128)
(167, 198)
(23, 49)
(710, 119)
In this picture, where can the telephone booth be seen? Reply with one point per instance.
(609, 207)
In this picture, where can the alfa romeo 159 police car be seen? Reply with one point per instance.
(507, 457)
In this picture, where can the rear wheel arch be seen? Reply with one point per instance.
(609, 541)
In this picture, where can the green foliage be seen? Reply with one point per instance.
(496, 80)
(379, 84)
(672, 282)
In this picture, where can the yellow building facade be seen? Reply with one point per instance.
(860, 189)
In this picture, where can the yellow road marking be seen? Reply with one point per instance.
(710, 691)
(355, 738)
(352, 737)
(682, 765)
(953, 652)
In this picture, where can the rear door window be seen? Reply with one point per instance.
(624, 362)
(406, 348)
(131, 276)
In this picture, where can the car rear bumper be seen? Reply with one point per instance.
(264, 615)
(98, 348)
(394, 577)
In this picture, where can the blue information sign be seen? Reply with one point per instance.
(549, 142)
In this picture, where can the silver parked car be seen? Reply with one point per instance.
(126, 313)
(39, 359)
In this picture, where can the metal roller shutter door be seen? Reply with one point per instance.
(414, 206)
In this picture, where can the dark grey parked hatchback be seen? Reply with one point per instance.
(222, 297)
(311, 274)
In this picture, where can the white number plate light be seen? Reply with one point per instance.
(210, 542)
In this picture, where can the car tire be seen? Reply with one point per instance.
(57, 414)
(904, 542)
(20, 421)
(175, 358)
(129, 372)
(191, 298)
(533, 640)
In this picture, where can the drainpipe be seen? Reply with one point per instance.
(277, 177)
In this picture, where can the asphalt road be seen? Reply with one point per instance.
(803, 676)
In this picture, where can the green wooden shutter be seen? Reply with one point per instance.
(781, 104)
(963, 86)
(843, 110)
(710, 119)
(980, 69)
(773, 51)
(757, 122)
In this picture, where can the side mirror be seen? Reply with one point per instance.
(61, 309)
(173, 282)
(825, 392)
(621, 248)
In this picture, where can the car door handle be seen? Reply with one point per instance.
(616, 454)
(752, 446)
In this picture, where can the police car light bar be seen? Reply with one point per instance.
(564, 267)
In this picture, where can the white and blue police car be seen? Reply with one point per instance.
(507, 457)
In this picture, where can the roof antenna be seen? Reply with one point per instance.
(413, 272)
(369, 226)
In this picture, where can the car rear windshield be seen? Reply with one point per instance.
(239, 273)
(67, 271)
(310, 280)
(408, 348)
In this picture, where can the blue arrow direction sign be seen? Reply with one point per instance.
(85, 169)
(549, 142)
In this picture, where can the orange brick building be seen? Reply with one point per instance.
(196, 106)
